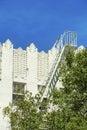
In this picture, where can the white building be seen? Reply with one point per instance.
(28, 69)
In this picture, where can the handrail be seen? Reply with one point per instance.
(67, 38)
(49, 81)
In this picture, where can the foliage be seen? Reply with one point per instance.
(71, 100)
(68, 106)
(24, 113)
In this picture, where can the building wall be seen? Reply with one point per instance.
(28, 68)
(6, 81)
(52, 55)
(19, 65)
(32, 69)
(43, 67)
(0, 60)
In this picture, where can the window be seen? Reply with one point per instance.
(41, 88)
(18, 90)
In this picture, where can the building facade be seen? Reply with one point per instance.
(30, 70)
(25, 69)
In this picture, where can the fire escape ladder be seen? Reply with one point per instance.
(68, 38)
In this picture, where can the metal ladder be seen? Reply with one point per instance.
(68, 38)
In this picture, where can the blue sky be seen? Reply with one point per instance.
(42, 21)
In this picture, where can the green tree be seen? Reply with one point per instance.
(71, 100)
(24, 113)
(69, 104)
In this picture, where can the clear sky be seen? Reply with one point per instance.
(42, 21)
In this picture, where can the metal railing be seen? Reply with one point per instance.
(68, 38)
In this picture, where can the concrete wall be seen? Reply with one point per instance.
(32, 69)
(22, 66)
(6, 81)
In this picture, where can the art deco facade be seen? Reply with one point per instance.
(27, 69)
(30, 70)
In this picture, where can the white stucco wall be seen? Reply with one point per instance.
(32, 69)
(6, 81)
